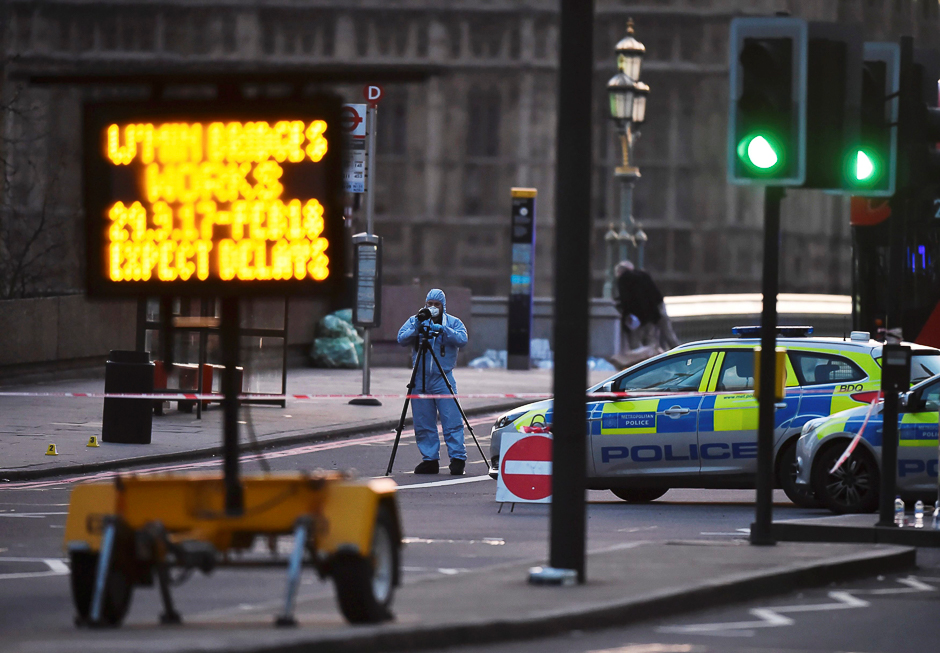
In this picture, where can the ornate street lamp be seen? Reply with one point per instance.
(627, 96)
(630, 53)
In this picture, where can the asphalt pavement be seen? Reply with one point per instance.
(628, 581)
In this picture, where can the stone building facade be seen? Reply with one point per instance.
(481, 120)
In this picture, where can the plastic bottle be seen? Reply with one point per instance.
(898, 512)
(919, 514)
(936, 515)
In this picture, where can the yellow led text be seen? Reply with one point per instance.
(211, 204)
(233, 142)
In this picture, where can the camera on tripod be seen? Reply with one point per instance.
(426, 313)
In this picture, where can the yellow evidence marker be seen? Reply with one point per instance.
(93, 441)
(51, 450)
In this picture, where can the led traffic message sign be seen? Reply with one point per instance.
(214, 199)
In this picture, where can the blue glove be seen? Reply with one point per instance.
(436, 328)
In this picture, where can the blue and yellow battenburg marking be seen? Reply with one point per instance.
(715, 411)
(914, 430)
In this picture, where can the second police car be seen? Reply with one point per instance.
(854, 486)
(693, 422)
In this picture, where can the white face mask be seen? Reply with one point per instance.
(433, 310)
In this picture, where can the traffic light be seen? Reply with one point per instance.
(919, 97)
(833, 96)
(875, 170)
(767, 117)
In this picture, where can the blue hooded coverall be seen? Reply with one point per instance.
(429, 381)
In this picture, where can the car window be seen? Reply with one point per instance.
(679, 373)
(816, 369)
(924, 366)
(931, 395)
(737, 371)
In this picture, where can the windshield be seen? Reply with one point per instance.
(680, 372)
(924, 365)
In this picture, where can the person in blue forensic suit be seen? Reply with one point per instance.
(446, 334)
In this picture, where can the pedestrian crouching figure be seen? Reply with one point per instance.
(446, 334)
(642, 310)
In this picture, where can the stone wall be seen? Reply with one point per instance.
(450, 147)
(69, 329)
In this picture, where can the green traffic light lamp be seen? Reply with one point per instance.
(864, 166)
(759, 152)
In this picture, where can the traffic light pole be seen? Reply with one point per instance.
(572, 281)
(760, 529)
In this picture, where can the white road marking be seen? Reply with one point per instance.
(33, 515)
(492, 541)
(736, 533)
(774, 617)
(913, 585)
(536, 467)
(652, 648)
(56, 568)
(455, 481)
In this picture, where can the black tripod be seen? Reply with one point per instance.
(424, 348)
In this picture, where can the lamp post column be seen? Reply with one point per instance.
(610, 240)
(627, 174)
(627, 179)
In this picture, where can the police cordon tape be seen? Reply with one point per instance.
(858, 436)
(216, 396)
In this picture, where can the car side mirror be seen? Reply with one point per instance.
(607, 387)
(912, 402)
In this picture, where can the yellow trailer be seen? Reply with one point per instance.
(127, 532)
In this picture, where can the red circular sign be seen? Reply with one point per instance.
(350, 119)
(372, 93)
(529, 475)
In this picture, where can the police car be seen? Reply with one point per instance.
(693, 422)
(855, 485)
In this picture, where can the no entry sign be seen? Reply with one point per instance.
(525, 469)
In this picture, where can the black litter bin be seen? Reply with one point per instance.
(128, 421)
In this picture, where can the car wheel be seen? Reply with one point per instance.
(639, 495)
(853, 487)
(118, 590)
(365, 586)
(801, 495)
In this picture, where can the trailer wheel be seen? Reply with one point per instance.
(117, 594)
(365, 586)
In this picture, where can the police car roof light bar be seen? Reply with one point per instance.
(787, 331)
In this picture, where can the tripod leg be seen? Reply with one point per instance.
(404, 413)
(450, 389)
(401, 425)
